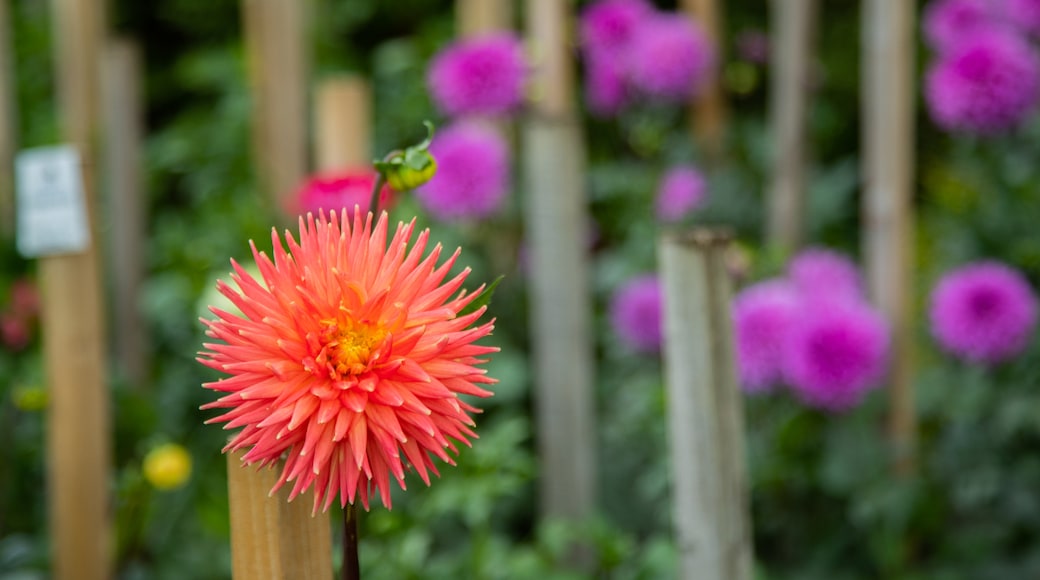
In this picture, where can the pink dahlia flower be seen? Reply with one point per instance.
(823, 273)
(348, 360)
(1024, 14)
(762, 318)
(473, 175)
(669, 58)
(481, 76)
(335, 192)
(606, 91)
(835, 353)
(984, 312)
(681, 191)
(987, 84)
(947, 23)
(607, 26)
(635, 313)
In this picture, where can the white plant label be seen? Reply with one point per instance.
(52, 217)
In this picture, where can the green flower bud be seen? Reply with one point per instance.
(408, 169)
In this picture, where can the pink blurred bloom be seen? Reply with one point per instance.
(607, 26)
(670, 58)
(25, 299)
(1025, 14)
(635, 313)
(762, 318)
(606, 91)
(823, 273)
(334, 192)
(473, 173)
(681, 191)
(946, 23)
(484, 75)
(984, 312)
(14, 331)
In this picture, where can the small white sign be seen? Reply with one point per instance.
(52, 217)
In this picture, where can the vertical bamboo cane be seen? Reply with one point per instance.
(124, 139)
(8, 122)
(794, 26)
(342, 123)
(78, 448)
(705, 411)
(888, 101)
(557, 222)
(477, 17)
(275, 32)
(272, 538)
(708, 110)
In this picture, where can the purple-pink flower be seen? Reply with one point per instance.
(670, 58)
(834, 353)
(762, 317)
(606, 91)
(473, 176)
(822, 273)
(635, 313)
(989, 83)
(607, 26)
(1025, 14)
(481, 76)
(984, 312)
(681, 191)
(947, 23)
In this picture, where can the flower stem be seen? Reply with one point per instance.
(351, 569)
(373, 202)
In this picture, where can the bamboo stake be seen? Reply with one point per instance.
(78, 446)
(124, 140)
(342, 123)
(478, 17)
(888, 103)
(708, 110)
(272, 538)
(275, 32)
(8, 123)
(556, 224)
(794, 26)
(705, 410)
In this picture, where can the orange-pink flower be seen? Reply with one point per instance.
(348, 358)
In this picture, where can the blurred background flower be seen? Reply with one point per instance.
(473, 173)
(635, 313)
(479, 76)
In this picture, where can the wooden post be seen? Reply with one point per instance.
(126, 211)
(708, 110)
(342, 123)
(477, 17)
(272, 538)
(888, 245)
(557, 225)
(705, 410)
(794, 31)
(275, 33)
(78, 442)
(8, 123)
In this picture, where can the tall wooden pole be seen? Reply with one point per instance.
(275, 32)
(557, 223)
(477, 17)
(794, 31)
(343, 123)
(73, 337)
(705, 411)
(124, 141)
(888, 245)
(708, 110)
(8, 122)
(272, 538)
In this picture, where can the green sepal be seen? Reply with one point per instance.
(483, 299)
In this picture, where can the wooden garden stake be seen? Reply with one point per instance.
(272, 538)
(705, 410)
(275, 33)
(477, 17)
(888, 244)
(342, 123)
(8, 122)
(794, 29)
(557, 226)
(124, 140)
(78, 439)
(708, 110)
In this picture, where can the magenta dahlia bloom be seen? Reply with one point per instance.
(823, 273)
(472, 178)
(1025, 14)
(635, 313)
(984, 312)
(988, 84)
(669, 58)
(762, 318)
(606, 91)
(607, 26)
(946, 23)
(482, 75)
(835, 353)
(681, 191)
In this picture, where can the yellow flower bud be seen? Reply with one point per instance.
(411, 168)
(167, 466)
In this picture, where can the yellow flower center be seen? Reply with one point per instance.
(349, 346)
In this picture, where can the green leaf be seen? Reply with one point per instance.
(483, 299)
